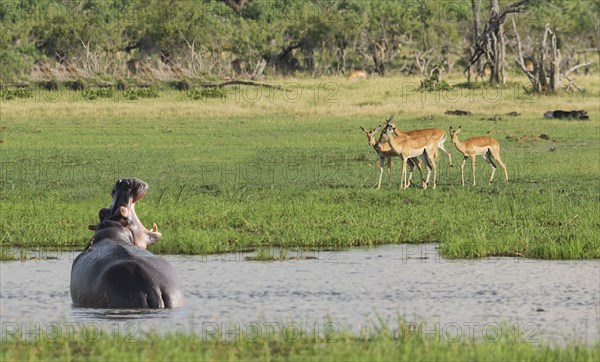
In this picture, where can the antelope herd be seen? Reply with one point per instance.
(421, 146)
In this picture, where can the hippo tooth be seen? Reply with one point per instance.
(154, 228)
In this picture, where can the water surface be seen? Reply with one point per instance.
(557, 300)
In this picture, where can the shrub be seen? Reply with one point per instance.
(135, 93)
(94, 93)
(432, 84)
(12, 93)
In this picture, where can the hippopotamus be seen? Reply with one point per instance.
(558, 114)
(115, 270)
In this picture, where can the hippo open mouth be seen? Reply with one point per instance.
(115, 270)
(122, 210)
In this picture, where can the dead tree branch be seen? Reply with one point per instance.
(240, 82)
(538, 75)
(490, 39)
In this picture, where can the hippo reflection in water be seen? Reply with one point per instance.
(116, 270)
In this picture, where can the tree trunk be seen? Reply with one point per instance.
(260, 68)
(499, 47)
(597, 34)
(541, 73)
(475, 6)
(554, 65)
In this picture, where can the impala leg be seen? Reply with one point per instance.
(389, 170)
(406, 180)
(488, 158)
(403, 174)
(473, 168)
(434, 165)
(441, 147)
(380, 173)
(496, 155)
(436, 155)
(428, 165)
(419, 166)
(462, 170)
(411, 167)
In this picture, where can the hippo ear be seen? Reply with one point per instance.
(104, 214)
(124, 212)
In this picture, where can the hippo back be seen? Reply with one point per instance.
(114, 274)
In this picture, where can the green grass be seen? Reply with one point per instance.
(291, 168)
(290, 344)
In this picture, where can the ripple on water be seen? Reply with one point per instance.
(353, 287)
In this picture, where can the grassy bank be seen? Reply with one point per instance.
(291, 168)
(382, 345)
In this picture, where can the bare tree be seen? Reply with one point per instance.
(475, 4)
(497, 49)
(597, 33)
(491, 42)
(545, 75)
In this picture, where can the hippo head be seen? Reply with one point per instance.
(122, 212)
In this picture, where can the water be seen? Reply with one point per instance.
(456, 299)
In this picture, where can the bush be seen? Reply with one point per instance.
(433, 84)
(12, 93)
(135, 93)
(94, 93)
(203, 93)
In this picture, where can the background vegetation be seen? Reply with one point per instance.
(160, 40)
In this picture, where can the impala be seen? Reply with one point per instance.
(408, 147)
(437, 135)
(385, 152)
(356, 74)
(485, 146)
